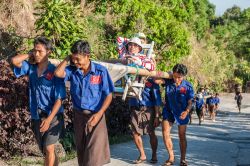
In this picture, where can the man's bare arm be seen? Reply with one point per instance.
(60, 70)
(18, 59)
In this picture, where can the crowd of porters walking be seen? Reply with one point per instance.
(91, 89)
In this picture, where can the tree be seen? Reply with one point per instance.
(62, 22)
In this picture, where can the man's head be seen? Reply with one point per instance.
(134, 45)
(80, 53)
(42, 48)
(179, 72)
(202, 89)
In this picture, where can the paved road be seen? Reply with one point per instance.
(225, 142)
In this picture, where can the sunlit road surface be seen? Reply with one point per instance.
(225, 142)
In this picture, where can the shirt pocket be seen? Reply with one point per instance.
(46, 85)
(95, 91)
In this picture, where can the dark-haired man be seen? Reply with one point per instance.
(45, 96)
(238, 97)
(211, 107)
(145, 118)
(178, 98)
(91, 90)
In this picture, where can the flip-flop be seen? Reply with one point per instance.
(168, 162)
(139, 160)
(153, 161)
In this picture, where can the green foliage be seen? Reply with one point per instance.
(101, 6)
(238, 80)
(232, 13)
(193, 81)
(243, 71)
(10, 43)
(62, 22)
(241, 41)
(203, 12)
(234, 35)
(159, 23)
(68, 141)
(171, 24)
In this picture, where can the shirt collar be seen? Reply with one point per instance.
(91, 71)
(50, 68)
(92, 67)
(183, 83)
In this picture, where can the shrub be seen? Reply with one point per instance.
(15, 130)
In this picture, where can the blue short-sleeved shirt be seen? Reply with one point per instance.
(89, 91)
(210, 101)
(176, 99)
(43, 90)
(150, 95)
(199, 102)
(216, 100)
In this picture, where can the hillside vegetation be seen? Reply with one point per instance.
(215, 49)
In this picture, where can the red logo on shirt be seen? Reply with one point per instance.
(148, 84)
(95, 79)
(183, 90)
(49, 76)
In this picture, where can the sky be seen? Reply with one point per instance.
(223, 5)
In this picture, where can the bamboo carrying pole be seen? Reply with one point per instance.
(133, 70)
(128, 69)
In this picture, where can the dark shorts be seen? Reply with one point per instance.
(142, 119)
(52, 135)
(199, 111)
(211, 108)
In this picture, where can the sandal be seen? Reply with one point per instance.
(139, 160)
(168, 162)
(153, 161)
(183, 163)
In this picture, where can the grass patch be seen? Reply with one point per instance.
(18, 160)
(69, 156)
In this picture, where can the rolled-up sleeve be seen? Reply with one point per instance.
(68, 71)
(190, 93)
(23, 70)
(60, 89)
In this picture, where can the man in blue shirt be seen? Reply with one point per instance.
(210, 103)
(178, 102)
(217, 102)
(91, 90)
(145, 117)
(199, 104)
(45, 96)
